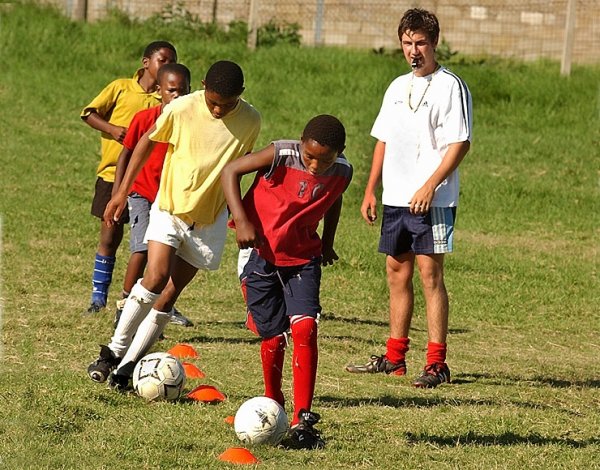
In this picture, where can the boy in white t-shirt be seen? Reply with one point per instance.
(423, 132)
(205, 130)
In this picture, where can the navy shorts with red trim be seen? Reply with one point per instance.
(274, 293)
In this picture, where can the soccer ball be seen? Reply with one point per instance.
(159, 376)
(261, 420)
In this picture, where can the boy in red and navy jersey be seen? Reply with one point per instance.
(298, 184)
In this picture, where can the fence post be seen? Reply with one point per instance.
(319, 23)
(79, 10)
(253, 24)
(565, 63)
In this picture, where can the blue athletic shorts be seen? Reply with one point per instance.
(423, 234)
(274, 294)
(139, 216)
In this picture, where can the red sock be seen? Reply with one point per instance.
(272, 353)
(397, 349)
(436, 353)
(304, 363)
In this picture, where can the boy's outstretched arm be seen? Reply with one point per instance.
(330, 223)
(246, 234)
(140, 155)
(96, 122)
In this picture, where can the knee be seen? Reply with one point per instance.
(155, 281)
(304, 331)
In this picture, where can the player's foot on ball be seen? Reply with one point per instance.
(303, 435)
(378, 364)
(433, 375)
(95, 307)
(178, 318)
(100, 369)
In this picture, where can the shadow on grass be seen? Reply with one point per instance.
(535, 381)
(420, 402)
(504, 439)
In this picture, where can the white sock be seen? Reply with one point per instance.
(145, 337)
(137, 306)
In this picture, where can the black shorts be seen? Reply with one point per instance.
(102, 195)
(274, 293)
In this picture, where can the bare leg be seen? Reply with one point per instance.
(431, 268)
(399, 275)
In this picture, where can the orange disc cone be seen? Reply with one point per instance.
(238, 455)
(183, 350)
(229, 420)
(206, 394)
(192, 372)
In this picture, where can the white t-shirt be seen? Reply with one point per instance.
(416, 139)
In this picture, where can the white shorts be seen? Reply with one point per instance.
(200, 246)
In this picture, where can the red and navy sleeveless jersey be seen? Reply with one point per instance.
(286, 202)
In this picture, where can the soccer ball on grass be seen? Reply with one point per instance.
(159, 376)
(261, 420)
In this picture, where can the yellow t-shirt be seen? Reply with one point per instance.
(200, 146)
(117, 103)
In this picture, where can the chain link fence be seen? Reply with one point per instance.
(524, 29)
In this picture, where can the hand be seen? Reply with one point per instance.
(420, 203)
(114, 209)
(118, 133)
(329, 256)
(247, 236)
(368, 209)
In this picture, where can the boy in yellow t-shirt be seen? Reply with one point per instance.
(110, 113)
(188, 221)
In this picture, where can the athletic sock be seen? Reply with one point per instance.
(397, 349)
(137, 306)
(272, 354)
(436, 353)
(145, 337)
(102, 277)
(304, 362)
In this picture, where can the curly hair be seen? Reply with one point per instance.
(417, 19)
(327, 130)
(157, 46)
(225, 78)
(178, 69)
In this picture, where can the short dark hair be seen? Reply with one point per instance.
(418, 19)
(157, 46)
(225, 78)
(178, 69)
(327, 130)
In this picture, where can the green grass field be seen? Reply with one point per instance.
(523, 281)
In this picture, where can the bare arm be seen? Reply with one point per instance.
(140, 155)
(96, 122)
(330, 223)
(368, 209)
(421, 201)
(246, 233)
(122, 163)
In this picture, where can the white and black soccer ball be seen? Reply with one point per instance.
(261, 420)
(159, 376)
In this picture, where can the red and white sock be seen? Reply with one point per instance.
(272, 353)
(304, 362)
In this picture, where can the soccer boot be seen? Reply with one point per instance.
(303, 435)
(378, 364)
(95, 307)
(433, 375)
(178, 318)
(119, 382)
(100, 369)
